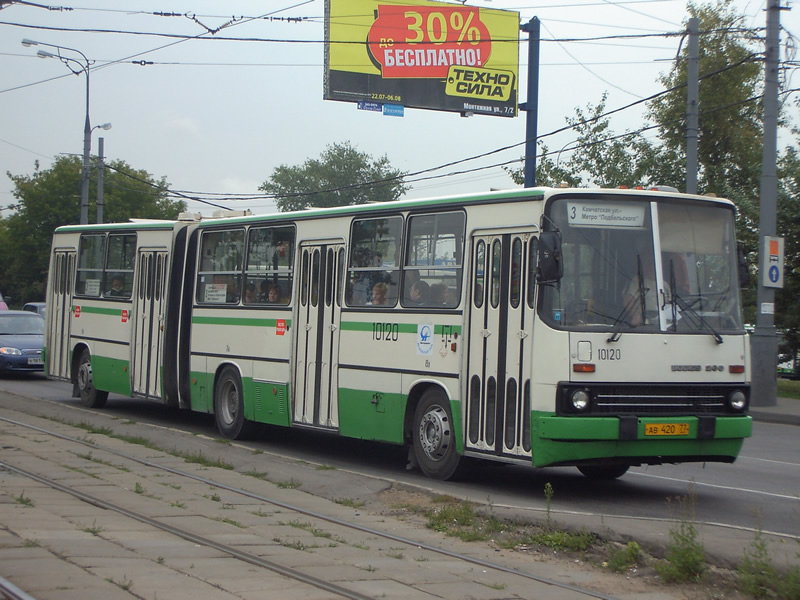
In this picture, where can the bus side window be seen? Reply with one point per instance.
(270, 264)
(91, 257)
(434, 256)
(221, 256)
(118, 275)
(373, 259)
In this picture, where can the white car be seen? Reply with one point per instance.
(36, 307)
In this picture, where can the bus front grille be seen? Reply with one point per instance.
(617, 399)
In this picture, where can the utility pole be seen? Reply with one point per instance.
(692, 105)
(533, 28)
(100, 180)
(764, 341)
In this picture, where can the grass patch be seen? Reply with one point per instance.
(349, 502)
(229, 522)
(759, 578)
(460, 519)
(288, 485)
(623, 558)
(561, 541)
(95, 529)
(685, 561)
(126, 584)
(789, 388)
(198, 458)
(316, 532)
(23, 499)
(295, 545)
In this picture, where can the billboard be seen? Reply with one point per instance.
(422, 54)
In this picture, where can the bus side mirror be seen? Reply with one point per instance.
(744, 268)
(551, 269)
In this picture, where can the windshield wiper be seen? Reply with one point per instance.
(616, 328)
(687, 310)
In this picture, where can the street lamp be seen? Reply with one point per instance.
(77, 67)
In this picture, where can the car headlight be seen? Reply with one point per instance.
(580, 399)
(10, 351)
(737, 400)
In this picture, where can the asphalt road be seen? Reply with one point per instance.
(761, 491)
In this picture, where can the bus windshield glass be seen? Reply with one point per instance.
(635, 266)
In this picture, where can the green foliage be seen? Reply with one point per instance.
(50, 198)
(562, 540)
(341, 176)
(459, 519)
(789, 388)
(757, 574)
(686, 554)
(759, 577)
(548, 497)
(787, 314)
(598, 157)
(730, 133)
(622, 559)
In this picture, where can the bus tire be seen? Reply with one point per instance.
(91, 397)
(604, 473)
(229, 406)
(434, 438)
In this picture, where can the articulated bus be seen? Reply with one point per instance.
(600, 329)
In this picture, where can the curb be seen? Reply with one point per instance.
(770, 417)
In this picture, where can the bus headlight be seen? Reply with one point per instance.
(737, 400)
(580, 399)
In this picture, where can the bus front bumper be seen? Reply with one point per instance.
(571, 440)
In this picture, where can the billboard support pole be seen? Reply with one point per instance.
(531, 107)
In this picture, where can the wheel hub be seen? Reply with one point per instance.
(434, 433)
(84, 376)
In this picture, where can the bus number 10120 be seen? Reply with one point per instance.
(386, 332)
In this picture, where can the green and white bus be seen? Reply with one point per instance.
(594, 328)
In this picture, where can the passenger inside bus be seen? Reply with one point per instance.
(379, 291)
(250, 295)
(117, 286)
(645, 291)
(274, 294)
(419, 293)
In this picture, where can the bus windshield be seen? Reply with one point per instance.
(636, 266)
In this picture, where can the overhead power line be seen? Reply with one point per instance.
(204, 37)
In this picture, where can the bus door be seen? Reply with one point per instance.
(317, 334)
(147, 321)
(500, 342)
(59, 317)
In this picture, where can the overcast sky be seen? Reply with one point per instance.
(217, 116)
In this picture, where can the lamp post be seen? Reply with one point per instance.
(105, 126)
(77, 67)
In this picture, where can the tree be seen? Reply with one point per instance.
(597, 158)
(51, 198)
(341, 176)
(788, 299)
(730, 130)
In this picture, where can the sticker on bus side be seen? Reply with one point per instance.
(424, 339)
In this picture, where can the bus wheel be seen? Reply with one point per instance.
(90, 395)
(604, 473)
(434, 438)
(229, 406)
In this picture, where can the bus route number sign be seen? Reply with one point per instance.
(666, 429)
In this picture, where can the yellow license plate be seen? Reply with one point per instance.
(666, 429)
